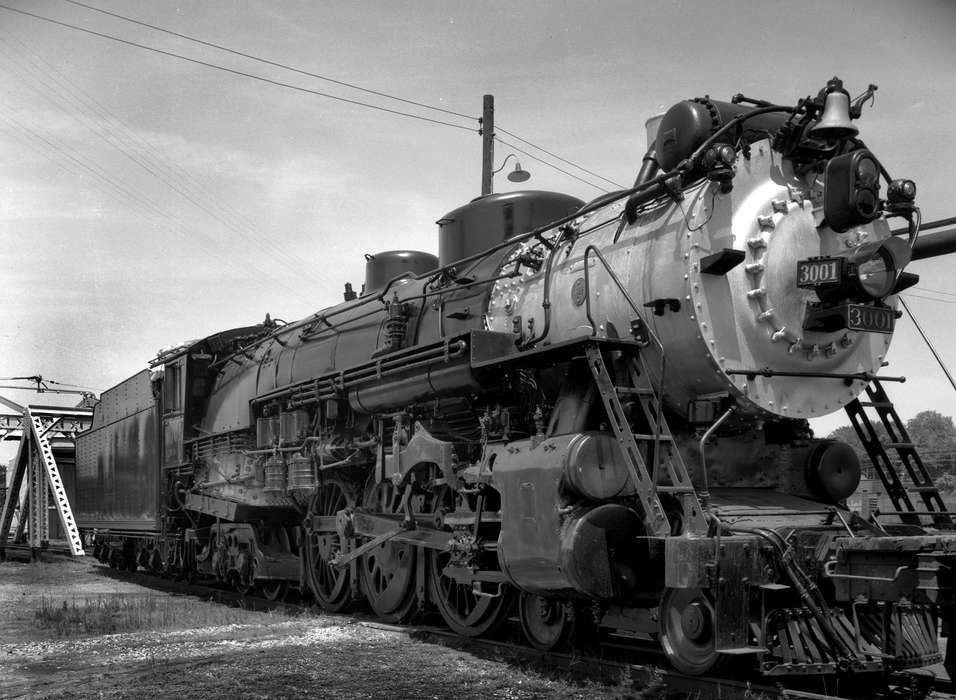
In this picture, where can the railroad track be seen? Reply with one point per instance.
(641, 667)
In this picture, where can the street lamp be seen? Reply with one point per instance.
(516, 175)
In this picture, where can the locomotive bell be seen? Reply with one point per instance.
(835, 122)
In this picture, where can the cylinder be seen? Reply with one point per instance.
(595, 467)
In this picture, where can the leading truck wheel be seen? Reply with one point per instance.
(687, 627)
(330, 586)
(547, 623)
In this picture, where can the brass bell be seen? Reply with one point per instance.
(835, 122)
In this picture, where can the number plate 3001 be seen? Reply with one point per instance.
(819, 271)
(876, 319)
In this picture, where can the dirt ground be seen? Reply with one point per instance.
(205, 650)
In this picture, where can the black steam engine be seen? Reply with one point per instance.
(591, 416)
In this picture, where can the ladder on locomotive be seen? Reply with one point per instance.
(899, 440)
(658, 443)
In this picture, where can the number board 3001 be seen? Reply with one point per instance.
(876, 319)
(819, 271)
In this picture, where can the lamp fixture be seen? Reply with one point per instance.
(516, 175)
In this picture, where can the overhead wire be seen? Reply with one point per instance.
(543, 150)
(550, 165)
(353, 86)
(233, 71)
(936, 291)
(212, 247)
(308, 90)
(932, 348)
(151, 165)
(277, 64)
(920, 296)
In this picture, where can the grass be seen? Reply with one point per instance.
(112, 614)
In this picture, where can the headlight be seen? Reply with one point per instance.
(875, 277)
(852, 288)
(874, 267)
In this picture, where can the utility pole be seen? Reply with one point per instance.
(487, 143)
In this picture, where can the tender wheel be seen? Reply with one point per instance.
(687, 630)
(388, 572)
(331, 587)
(547, 622)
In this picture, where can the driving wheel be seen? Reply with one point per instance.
(330, 586)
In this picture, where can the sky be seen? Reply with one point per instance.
(146, 200)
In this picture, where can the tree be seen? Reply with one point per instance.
(934, 436)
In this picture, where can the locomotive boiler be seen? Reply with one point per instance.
(589, 416)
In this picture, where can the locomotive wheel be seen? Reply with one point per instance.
(331, 587)
(273, 590)
(464, 612)
(687, 626)
(242, 585)
(547, 623)
(387, 573)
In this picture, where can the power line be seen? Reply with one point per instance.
(932, 349)
(937, 291)
(550, 165)
(153, 168)
(271, 63)
(941, 301)
(213, 248)
(235, 72)
(553, 155)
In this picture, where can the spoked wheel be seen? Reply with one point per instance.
(273, 590)
(388, 572)
(466, 613)
(547, 622)
(330, 586)
(687, 627)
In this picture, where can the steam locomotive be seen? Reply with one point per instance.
(589, 416)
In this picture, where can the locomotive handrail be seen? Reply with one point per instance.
(392, 363)
(617, 281)
(830, 566)
(587, 310)
(846, 376)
